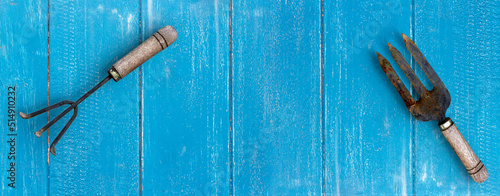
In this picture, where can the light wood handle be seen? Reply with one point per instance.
(474, 166)
(152, 46)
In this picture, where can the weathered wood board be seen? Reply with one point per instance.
(254, 98)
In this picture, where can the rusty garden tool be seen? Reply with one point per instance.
(152, 46)
(432, 104)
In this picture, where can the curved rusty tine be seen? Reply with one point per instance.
(36, 113)
(73, 105)
(403, 64)
(393, 76)
(65, 128)
(424, 64)
(39, 133)
(53, 121)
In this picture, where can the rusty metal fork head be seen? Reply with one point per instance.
(432, 104)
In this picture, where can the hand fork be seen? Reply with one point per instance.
(432, 104)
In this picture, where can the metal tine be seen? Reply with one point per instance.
(43, 110)
(424, 64)
(53, 121)
(65, 128)
(403, 64)
(393, 76)
(72, 106)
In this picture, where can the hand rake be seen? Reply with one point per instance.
(152, 46)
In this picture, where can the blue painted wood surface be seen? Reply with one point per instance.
(254, 97)
(368, 135)
(185, 105)
(463, 46)
(89, 159)
(276, 97)
(23, 66)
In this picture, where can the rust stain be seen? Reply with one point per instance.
(433, 104)
(396, 81)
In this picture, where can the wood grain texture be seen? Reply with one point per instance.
(472, 164)
(368, 130)
(277, 97)
(185, 106)
(23, 65)
(460, 40)
(100, 152)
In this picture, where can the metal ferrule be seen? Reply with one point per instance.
(446, 124)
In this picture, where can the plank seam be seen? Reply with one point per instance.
(140, 102)
(48, 95)
(231, 103)
(413, 120)
(322, 59)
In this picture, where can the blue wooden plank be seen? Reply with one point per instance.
(183, 97)
(460, 40)
(277, 97)
(368, 130)
(185, 107)
(99, 154)
(23, 65)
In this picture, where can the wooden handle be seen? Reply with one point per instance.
(474, 166)
(152, 46)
